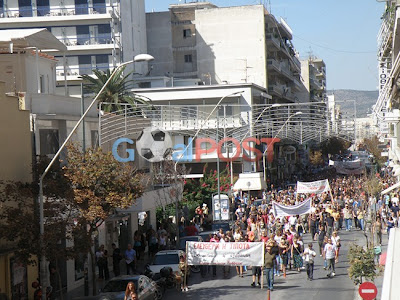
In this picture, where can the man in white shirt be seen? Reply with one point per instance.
(309, 254)
(330, 254)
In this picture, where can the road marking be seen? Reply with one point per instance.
(368, 291)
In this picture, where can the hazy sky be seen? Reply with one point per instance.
(341, 32)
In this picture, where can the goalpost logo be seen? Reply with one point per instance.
(156, 145)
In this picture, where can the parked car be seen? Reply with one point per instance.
(146, 288)
(224, 225)
(166, 258)
(184, 239)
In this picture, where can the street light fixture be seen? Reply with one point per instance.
(43, 270)
(280, 129)
(188, 145)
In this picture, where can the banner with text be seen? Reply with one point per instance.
(348, 167)
(316, 187)
(228, 254)
(280, 210)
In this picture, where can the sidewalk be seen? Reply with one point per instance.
(100, 283)
(378, 280)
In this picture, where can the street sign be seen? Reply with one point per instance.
(368, 291)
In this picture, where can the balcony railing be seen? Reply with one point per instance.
(81, 70)
(89, 40)
(46, 11)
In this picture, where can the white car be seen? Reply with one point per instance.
(166, 258)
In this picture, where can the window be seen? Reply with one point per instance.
(103, 34)
(188, 58)
(82, 33)
(81, 7)
(25, 8)
(99, 6)
(187, 33)
(102, 62)
(85, 64)
(49, 142)
(228, 111)
(43, 7)
(145, 85)
(42, 88)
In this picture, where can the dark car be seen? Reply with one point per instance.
(146, 288)
(183, 240)
(224, 225)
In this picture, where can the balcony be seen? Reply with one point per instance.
(275, 90)
(50, 16)
(75, 72)
(273, 65)
(273, 41)
(285, 71)
(85, 41)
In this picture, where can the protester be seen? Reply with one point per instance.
(130, 292)
(309, 255)
(330, 254)
(269, 260)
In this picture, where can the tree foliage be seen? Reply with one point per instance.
(362, 264)
(334, 146)
(316, 158)
(116, 91)
(371, 145)
(19, 214)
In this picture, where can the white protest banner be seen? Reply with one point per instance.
(316, 187)
(227, 254)
(280, 210)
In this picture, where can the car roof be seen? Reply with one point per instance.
(126, 277)
(166, 252)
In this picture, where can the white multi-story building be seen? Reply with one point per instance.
(98, 34)
(225, 45)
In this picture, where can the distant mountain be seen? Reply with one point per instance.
(364, 100)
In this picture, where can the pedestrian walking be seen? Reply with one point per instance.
(330, 254)
(269, 260)
(309, 255)
(297, 252)
(100, 261)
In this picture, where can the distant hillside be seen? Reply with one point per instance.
(364, 100)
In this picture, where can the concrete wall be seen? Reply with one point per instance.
(231, 44)
(133, 22)
(15, 152)
(19, 72)
(159, 42)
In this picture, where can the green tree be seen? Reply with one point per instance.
(362, 264)
(19, 215)
(116, 91)
(100, 185)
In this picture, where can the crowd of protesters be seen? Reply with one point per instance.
(346, 207)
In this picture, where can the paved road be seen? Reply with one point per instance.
(296, 284)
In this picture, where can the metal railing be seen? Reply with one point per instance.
(312, 125)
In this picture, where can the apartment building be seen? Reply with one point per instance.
(313, 73)
(98, 34)
(387, 107)
(225, 45)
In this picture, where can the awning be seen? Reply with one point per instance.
(39, 38)
(250, 182)
(389, 189)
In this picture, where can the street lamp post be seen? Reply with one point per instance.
(280, 129)
(247, 132)
(43, 270)
(187, 147)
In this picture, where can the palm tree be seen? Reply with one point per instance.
(116, 91)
